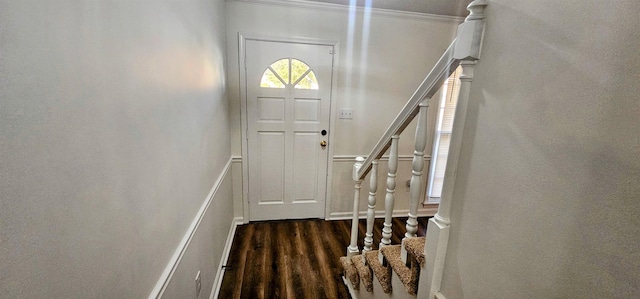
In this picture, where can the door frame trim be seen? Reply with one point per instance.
(242, 39)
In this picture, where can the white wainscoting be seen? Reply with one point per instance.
(174, 262)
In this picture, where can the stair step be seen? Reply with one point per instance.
(366, 277)
(415, 248)
(408, 275)
(382, 273)
(350, 272)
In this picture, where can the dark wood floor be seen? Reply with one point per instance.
(295, 258)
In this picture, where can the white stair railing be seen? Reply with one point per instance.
(445, 66)
(465, 51)
(470, 35)
(429, 86)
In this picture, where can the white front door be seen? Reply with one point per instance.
(288, 107)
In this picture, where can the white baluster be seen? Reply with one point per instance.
(416, 177)
(353, 247)
(391, 196)
(373, 187)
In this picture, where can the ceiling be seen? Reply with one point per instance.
(437, 7)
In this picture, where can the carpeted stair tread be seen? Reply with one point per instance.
(408, 276)
(366, 277)
(382, 273)
(415, 247)
(350, 272)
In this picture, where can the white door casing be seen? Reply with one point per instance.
(287, 166)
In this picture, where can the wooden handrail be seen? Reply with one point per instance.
(429, 86)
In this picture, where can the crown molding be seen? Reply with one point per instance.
(418, 16)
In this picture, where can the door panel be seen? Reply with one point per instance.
(271, 153)
(307, 110)
(271, 110)
(288, 105)
(305, 166)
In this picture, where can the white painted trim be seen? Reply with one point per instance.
(171, 267)
(242, 39)
(288, 39)
(417, 16)
(425, 212)
(440, 296)
(352, 159)
(243, 125)
(332, 124)
(217, 283)
(431, 201)
(235, 160)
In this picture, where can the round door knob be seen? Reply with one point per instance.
(323, 143)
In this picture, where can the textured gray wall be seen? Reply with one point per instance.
(114, 127)
(548, 189)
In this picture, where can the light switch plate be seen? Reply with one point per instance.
(345, 113)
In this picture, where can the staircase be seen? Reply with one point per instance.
(414, 267)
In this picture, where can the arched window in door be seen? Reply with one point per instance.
(289, 72)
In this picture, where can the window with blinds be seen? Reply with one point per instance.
(442, 135)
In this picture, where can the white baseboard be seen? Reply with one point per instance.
(352, 292)
(217, 283)
(174, 262)
(380, 214)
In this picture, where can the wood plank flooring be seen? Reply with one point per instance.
(295, 258)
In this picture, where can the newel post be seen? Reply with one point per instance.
(467, 50)
(468, 47)
(353, 246)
